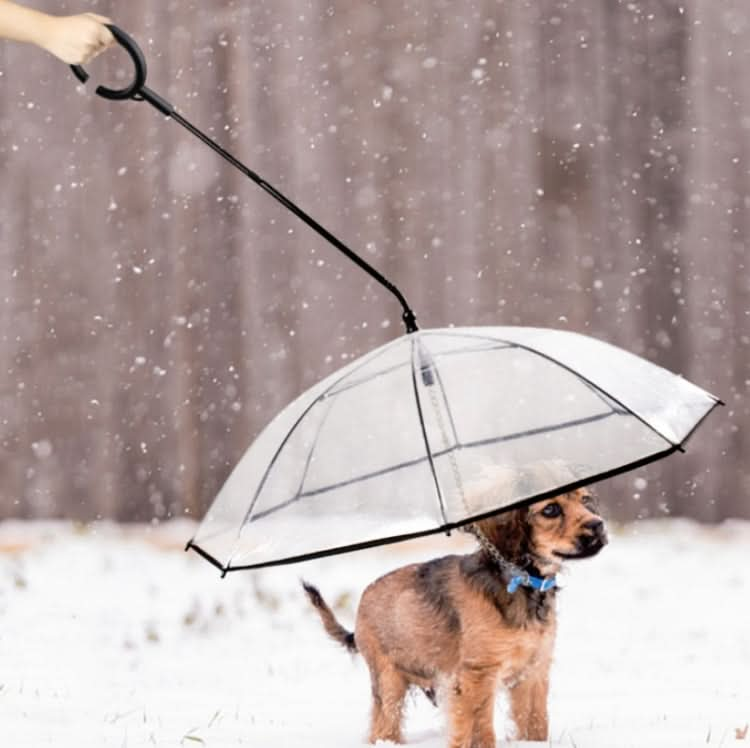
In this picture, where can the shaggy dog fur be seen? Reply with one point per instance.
(451, 628)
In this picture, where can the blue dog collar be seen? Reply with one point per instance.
(542, 584)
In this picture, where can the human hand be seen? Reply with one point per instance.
(75, 39)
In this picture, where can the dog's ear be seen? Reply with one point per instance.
(508, 532)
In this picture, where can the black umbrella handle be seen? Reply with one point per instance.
(138, 91)
(137, 88)
(139, 62)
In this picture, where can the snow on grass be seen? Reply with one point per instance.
(113, 636)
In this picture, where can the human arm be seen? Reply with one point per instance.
(73, 39)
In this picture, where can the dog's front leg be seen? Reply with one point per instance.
(470, 708)
(528, 703)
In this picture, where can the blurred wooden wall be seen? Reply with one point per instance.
(579, 164)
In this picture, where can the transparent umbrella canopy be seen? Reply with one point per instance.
(400, 443)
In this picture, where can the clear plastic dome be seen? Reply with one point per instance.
(439, 427)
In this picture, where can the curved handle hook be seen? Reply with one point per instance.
(139, 77)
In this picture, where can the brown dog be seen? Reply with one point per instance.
(459, 627)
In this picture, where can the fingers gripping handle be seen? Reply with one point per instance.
(139, 62)
(137, 88)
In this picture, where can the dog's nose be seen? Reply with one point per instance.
(595, 525)
(597, 536)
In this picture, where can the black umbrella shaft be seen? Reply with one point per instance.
(140, 92)
(408, 315)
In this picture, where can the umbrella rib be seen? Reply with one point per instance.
(607, 394)
(458, 446)
(599, 392)
(321, 396)
(452, 459)
(448, 411)
(314, 444)
(546, 429)
(594, 385)
(420, 414)
(467, 445)
(365, 380)
(716, 403)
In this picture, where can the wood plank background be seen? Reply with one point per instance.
(581, 165)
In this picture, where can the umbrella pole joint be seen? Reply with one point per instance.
(410, 319)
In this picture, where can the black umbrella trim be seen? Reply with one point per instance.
(456, 525)
(447, 528)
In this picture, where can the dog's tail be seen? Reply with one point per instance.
(333, 628)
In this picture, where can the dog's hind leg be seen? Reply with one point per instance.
(389, 688)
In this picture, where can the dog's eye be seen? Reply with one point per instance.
(552, 510)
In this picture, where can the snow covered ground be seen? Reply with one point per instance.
(113, 636)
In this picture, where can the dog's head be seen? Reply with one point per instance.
(566, 527)
(549, 532)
